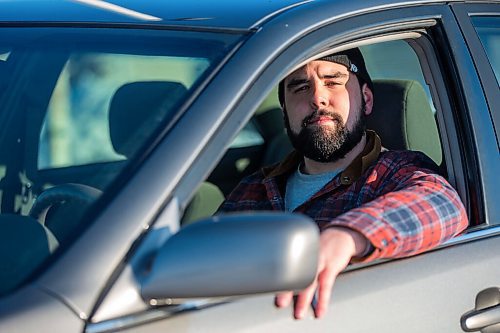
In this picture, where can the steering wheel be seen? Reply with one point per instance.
(75, 193)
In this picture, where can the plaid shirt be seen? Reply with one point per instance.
(395, 199)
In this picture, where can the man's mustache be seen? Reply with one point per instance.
(321, 113)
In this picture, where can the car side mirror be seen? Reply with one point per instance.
(236, 254)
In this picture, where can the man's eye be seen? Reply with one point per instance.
(333, 83)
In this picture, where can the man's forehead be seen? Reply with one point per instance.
(320, 67)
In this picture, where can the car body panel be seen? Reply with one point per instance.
(34, 308)
(389, 297)
(193, 13)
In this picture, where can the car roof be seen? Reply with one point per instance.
(225, 14)
(197, 13)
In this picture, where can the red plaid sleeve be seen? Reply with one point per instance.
(423, 212)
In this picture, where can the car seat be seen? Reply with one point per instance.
(271, 125)
(136, 110)
(403, 118)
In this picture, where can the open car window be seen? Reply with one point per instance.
(400, 86)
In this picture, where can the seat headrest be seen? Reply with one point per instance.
(137, 108)
(403, 118)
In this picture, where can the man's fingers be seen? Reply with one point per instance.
(325, 285)
(303, 301)
(337, 247)
(284, 299)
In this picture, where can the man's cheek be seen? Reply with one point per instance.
(297, 126)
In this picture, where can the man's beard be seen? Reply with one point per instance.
(322, 144)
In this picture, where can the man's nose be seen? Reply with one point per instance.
(319, 97)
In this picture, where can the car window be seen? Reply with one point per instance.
(83, 103)
(391, 63)
(488, 29)
(263, 140)
(392, 60)
(76, 129)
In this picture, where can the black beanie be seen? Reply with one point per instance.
(352, 59)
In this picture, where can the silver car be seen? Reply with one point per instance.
(124, 124)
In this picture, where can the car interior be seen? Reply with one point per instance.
(137, 107)
(402, 116)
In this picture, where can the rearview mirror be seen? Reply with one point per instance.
(236, 254)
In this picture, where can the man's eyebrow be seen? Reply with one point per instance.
(336, 75)
(298, 81)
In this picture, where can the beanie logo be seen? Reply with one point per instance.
(353, 68)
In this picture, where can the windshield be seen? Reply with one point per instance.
(76, 107)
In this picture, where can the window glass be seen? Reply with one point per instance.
(488, 29)
(76, 127)
(81, 105)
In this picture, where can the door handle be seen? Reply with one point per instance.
(486, 315)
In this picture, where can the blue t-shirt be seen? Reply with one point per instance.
(300, 187)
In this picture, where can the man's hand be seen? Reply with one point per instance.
(337, 246)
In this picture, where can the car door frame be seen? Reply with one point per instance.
(485, 87)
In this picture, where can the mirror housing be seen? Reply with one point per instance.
(236, 254)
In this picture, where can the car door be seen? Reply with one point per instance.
(425, 293)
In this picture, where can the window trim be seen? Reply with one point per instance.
(489, 82)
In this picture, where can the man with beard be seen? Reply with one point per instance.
(368, 202)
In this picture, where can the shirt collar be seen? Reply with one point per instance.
(349, 175)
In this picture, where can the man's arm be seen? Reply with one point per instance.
(423, 212)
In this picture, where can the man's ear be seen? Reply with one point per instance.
(368, 98)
